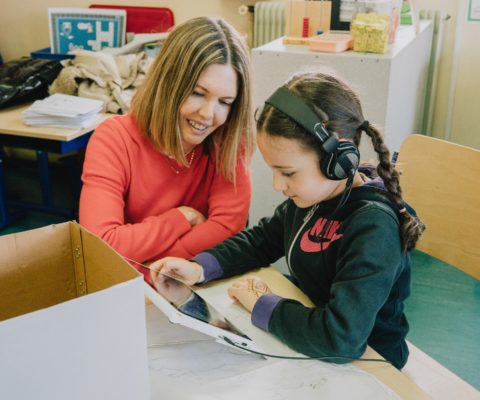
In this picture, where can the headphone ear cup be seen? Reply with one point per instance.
(342, 163)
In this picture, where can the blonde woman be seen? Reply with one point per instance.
(171, 177)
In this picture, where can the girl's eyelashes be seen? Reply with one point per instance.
(288, 174)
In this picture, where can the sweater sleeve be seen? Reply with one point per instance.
(249, 249)
(106, 181)
(368, 263)
(228, 206)
(113, 153)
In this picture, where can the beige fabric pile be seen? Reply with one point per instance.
(103, 76)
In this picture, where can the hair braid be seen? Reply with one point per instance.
(338, 106)
(410, 226)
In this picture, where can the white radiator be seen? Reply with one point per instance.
(269, 21)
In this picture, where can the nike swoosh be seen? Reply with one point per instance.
(312, 243)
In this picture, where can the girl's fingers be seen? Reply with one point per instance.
(242, 282)
(231, 293)
(167, 270)
(237, 284)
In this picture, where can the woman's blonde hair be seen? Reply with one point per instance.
(189, 49)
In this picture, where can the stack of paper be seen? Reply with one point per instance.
(63, 111)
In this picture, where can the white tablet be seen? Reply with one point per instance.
(183, 306)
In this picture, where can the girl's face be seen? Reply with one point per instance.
(296, 171)
(209, 104)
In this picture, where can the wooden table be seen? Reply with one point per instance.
(193, 348)
(195, 351)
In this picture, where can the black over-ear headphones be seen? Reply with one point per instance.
(341, 158)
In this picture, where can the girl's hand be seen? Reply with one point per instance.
(172, 290)
(247, 291)
(183, 270)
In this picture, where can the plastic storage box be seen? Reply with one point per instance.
(47, 54)
(371, 25)
(330, 42)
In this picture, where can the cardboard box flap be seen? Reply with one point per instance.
(50, 265)
(77, 259)
(35, 270)
(102, 263)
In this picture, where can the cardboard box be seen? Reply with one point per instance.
(72, 318)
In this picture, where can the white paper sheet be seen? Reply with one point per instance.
(192, 366)
(305, 380)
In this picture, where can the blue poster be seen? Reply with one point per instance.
(87, 29)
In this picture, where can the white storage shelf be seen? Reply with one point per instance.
(391, 87)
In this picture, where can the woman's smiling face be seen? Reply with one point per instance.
(208, 106)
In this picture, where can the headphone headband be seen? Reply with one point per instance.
(341, 158)
(296, 109)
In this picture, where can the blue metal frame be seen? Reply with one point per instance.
(4, 216)
(42, 147)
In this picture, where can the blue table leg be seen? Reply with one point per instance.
(46, 205)
(45, 183)
(42, 148)
(73, 166)
(4, 216)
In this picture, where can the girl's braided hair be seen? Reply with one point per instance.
(340, 109)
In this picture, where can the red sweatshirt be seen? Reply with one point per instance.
(131, 192)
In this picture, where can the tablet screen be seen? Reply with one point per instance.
(185, 300)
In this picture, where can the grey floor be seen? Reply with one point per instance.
(443, 309)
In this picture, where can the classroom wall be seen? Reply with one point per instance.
(465, 127)
(24, 27)
(24, 23)
(457, 102)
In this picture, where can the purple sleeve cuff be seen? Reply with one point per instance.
(263, 309)
(211, 267)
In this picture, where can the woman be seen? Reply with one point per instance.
(171, 177)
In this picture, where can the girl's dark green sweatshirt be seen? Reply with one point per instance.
(353, 269)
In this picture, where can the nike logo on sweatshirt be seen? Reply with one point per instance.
(312, 242)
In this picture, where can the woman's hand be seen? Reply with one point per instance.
(193, 216)
(247, 291)
(183, 270)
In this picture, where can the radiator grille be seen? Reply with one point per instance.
(269, 21)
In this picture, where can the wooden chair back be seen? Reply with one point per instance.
(441, 180)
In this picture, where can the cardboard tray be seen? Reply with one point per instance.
(330, 42)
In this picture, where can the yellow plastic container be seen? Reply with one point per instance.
(370, 32)
(371, 25)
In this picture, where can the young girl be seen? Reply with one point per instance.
(346, 237)
(171, 177)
